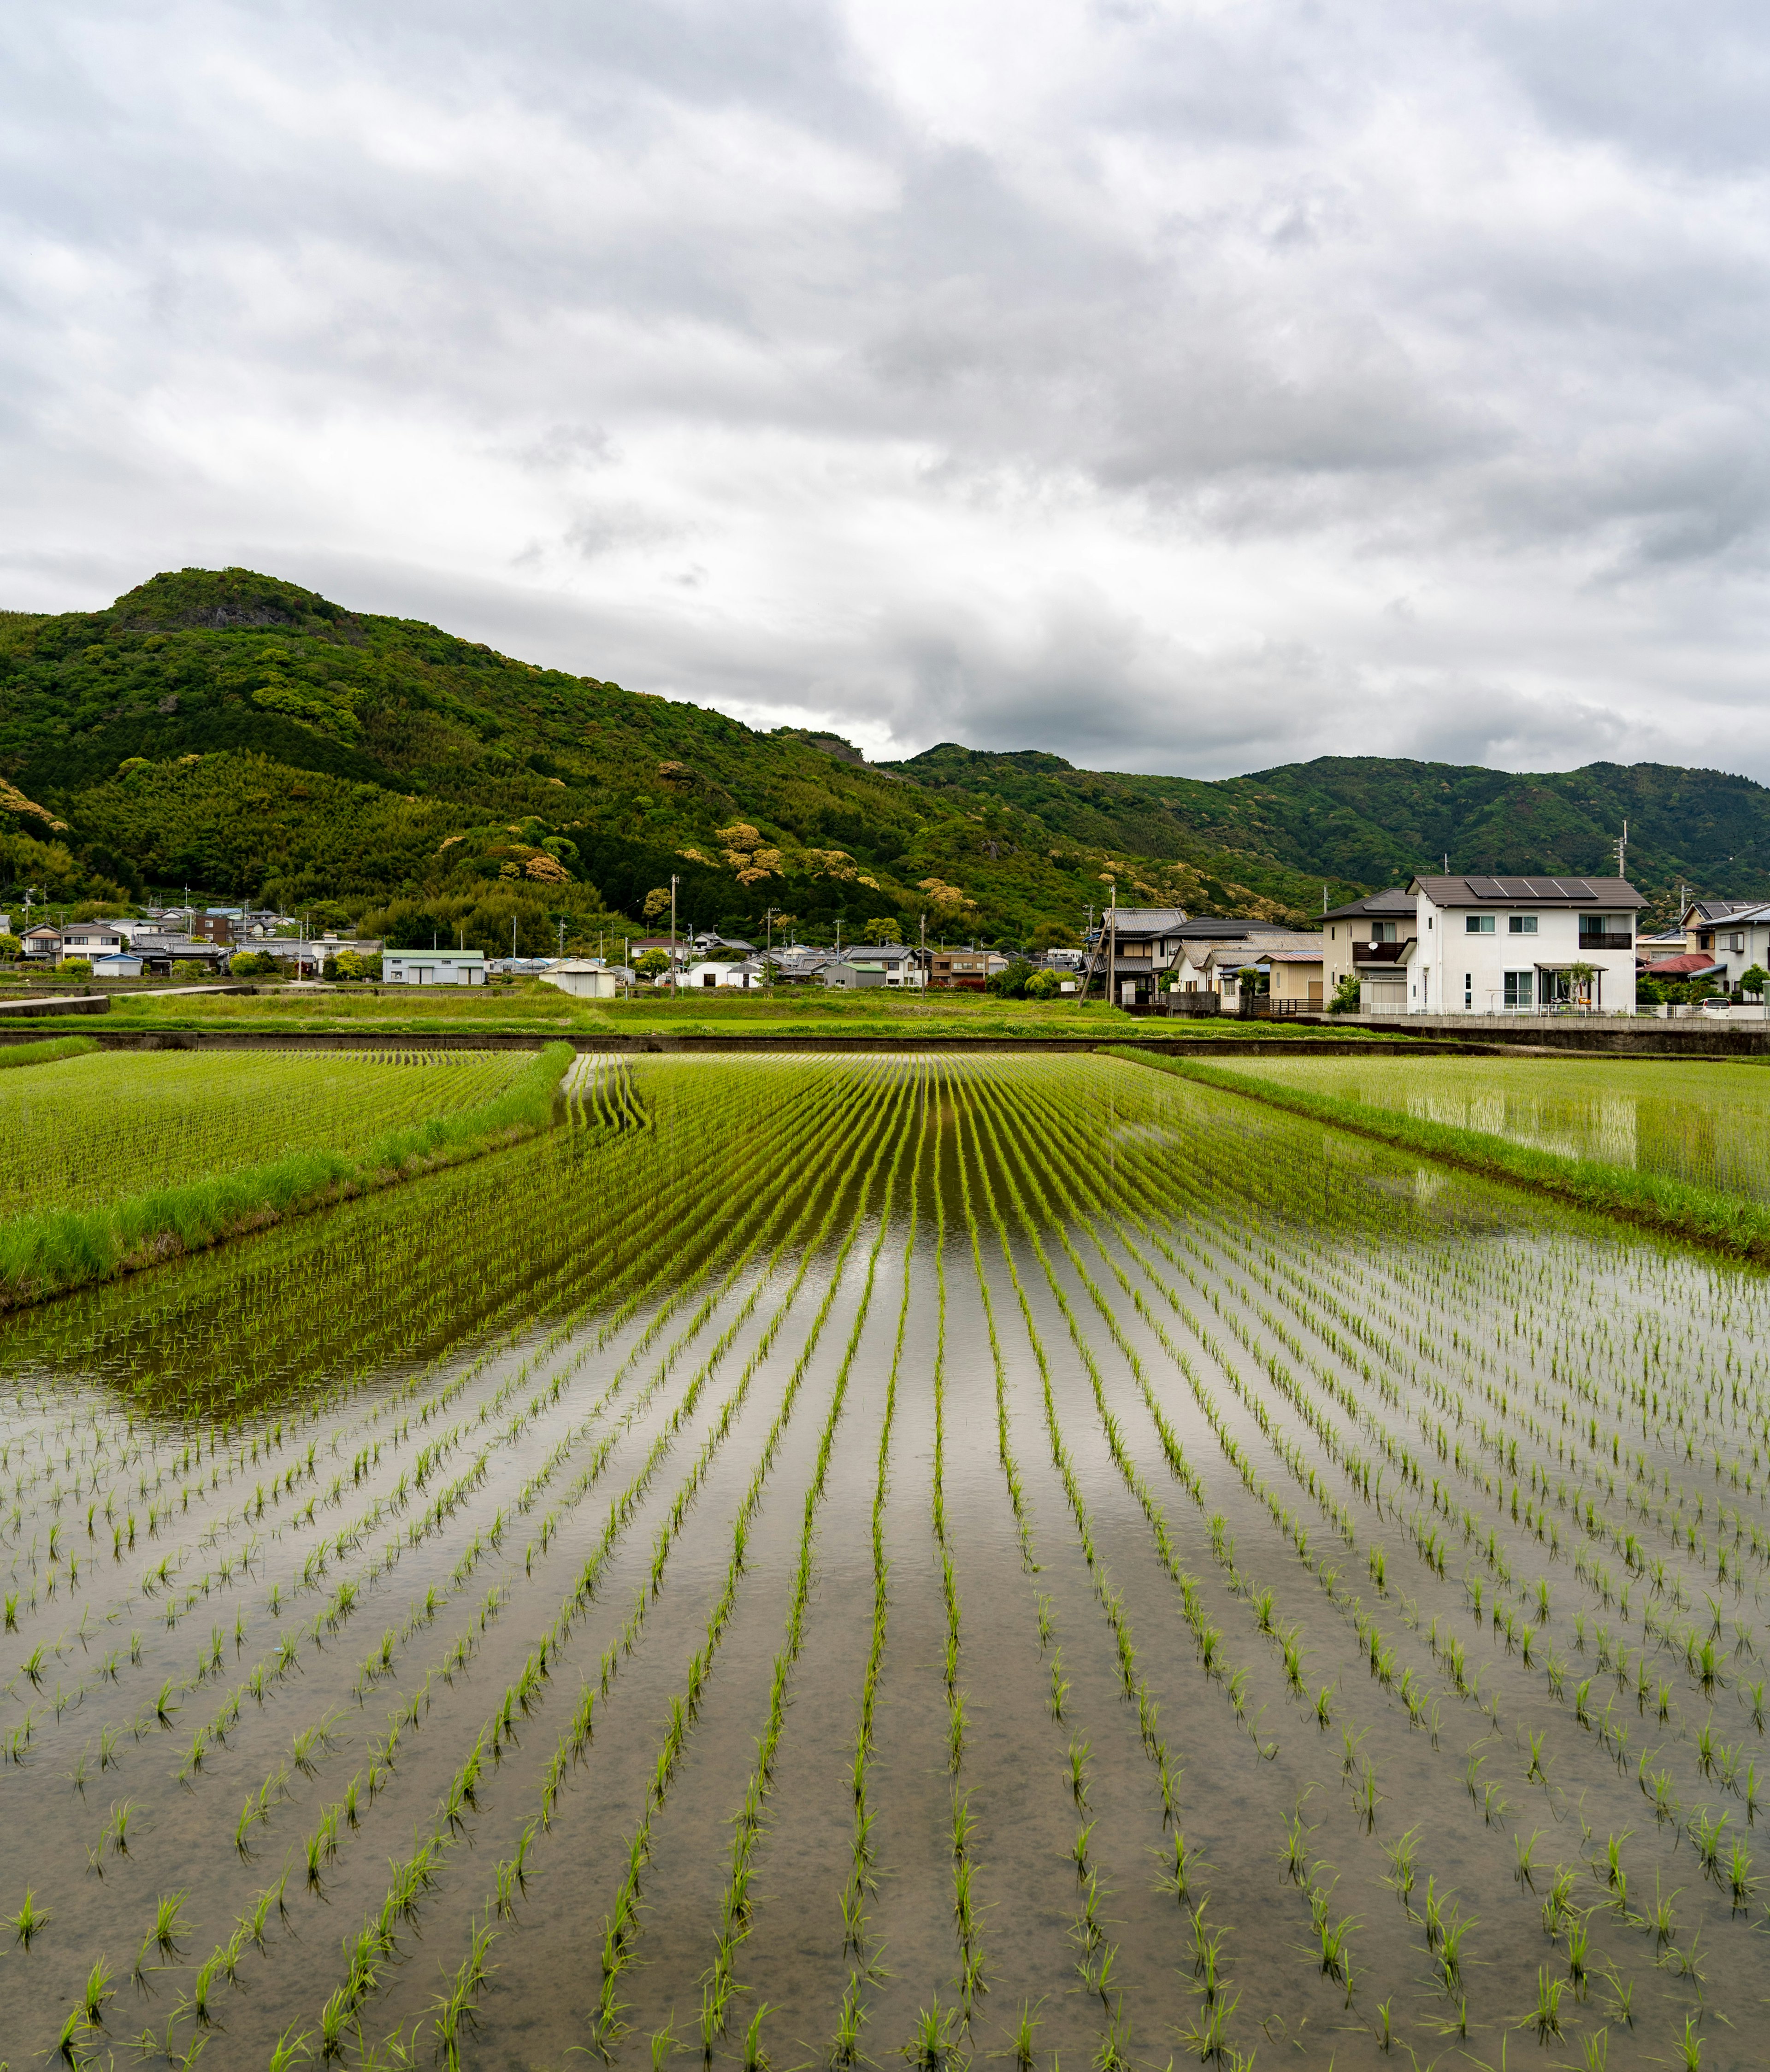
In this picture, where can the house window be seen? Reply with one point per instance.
(1382, 931)
(1478, 924)
(1520, 989)
(1468, 989)
(1522, 924)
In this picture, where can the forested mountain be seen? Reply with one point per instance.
(244, 736)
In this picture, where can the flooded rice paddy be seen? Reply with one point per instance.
(1704, 1122)
(823, 1560)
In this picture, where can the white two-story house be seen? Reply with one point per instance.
(1520, 945)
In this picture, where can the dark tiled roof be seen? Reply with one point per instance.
(1397, 899)
(1477, 889)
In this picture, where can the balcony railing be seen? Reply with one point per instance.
(1606, 942)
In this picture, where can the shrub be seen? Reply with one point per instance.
(190, 968)
(74, 967)
(1346, 996)
(1011, 984)
(1044, 985)
(253, 963)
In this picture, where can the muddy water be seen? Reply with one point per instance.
(1516, 1333)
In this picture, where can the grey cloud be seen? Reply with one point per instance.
(1107, 404)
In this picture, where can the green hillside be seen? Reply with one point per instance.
(246, 737)
(239, 734)
(1376, 819)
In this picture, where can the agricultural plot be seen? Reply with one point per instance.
(91, 1129)
(822, 1559)
(1706, 1123)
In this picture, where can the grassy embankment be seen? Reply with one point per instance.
(49, 1253)
(46, 1052)
(1677, 1208)
(528, 1008)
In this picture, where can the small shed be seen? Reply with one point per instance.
(120, 964)
(582, 979)
(854, 977)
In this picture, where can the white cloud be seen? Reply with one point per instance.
(1188, 387)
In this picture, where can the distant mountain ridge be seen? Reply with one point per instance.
(242, 735)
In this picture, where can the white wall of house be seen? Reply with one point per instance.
(1508, 961)
(1741, 942)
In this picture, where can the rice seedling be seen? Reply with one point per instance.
(29, 1922)
(1546, 2016)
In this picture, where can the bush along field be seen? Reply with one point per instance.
(154, 1155)
(825, 1560)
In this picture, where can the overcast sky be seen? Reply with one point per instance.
(1186, 388)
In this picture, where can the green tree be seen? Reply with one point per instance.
(883, 929)
(1011, 984)
(1346, 998)
(190, 968)
(1044, 985)
(10, 946)
(1754, 980)
(652, 964)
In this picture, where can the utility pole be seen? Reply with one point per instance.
(1622, 851)
(673, 987)
(562, 938)
(1112, 952)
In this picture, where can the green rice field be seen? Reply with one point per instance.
(92, 1128)
(1707, 1123)
(842, 1560)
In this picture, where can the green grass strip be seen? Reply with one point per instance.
(46, 1052)
(46, 1255)
(1699, 1215)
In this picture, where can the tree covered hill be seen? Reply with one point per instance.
(1377, 819)
(239, 734)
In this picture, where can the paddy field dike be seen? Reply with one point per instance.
(520, 1559)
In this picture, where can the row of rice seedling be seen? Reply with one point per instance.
(1168, 1175)
(1343, 1470)
(1208, 2030)
(330, 1851)
(622, 1929)
(634, 1627)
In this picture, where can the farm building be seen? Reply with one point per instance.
(433, 967)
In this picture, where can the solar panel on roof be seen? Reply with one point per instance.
(1517, 888)
(1486, 888)
(1573, 888)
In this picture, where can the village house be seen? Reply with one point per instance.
(1371, 940)
(965, 971)
(1214, 951)
(1487, 945)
